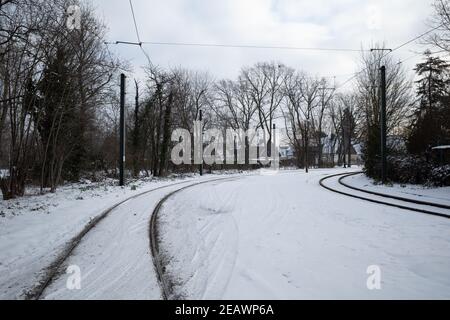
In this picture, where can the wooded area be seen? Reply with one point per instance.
(59, 104)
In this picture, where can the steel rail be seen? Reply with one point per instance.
(345, 175)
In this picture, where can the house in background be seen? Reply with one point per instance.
(441, 154)
(333, 154)
(286, 153)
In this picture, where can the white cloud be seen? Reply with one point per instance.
(305, 23)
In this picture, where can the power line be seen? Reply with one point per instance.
(411, 57)
(244, 46)
(135, 23)
(140, 44)
(240, 46)
(391, 51)
(137, 35)
(418, 37)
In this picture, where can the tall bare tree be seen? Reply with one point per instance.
(302, 98)
(266, 89)
(441, 21)
(399, 102)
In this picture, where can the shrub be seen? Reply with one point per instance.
(416, 170)
(440, 176)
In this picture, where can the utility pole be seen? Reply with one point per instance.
(324, 105)
(383, 126)
(347, 129)
(122, 131)
(343, 143)
(307, 146)
(350, 132)
(429, 87)
(383, 117)
(201, 148)
(136, 133)
(275, 152)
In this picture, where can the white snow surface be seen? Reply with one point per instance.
(254, 237)
(415, 192)
(115, 260)
(35, 229)
(442, 148)
(285, 237)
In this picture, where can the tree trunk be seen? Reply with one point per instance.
(166, 136)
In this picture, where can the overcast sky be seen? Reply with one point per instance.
(299, 23)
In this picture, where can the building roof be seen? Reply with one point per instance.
(441, 148)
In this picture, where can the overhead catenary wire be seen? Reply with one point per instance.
(388, 53)
(240, 46)
(135, 22)
(417, 38)
(249, 46)
(139, 43)
(219, 45)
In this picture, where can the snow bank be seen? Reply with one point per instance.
(34, 229)
(415, 192)
(284, 237)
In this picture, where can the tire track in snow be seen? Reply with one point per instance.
(165, 283)
(35, 293)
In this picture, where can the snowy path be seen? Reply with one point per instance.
(285, 237)
(36, 230)
(431, 206)
(434, 195)
(115, 258)
(40, 227)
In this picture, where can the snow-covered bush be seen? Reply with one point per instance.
(3, 173)
(416, 170)
(440, 176)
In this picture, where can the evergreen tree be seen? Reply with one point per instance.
(430, 127)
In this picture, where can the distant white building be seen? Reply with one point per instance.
(332, 149)
(441, 148)
(286, 153)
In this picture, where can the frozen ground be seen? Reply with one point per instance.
(115, 260)
(254, 237)
(284, 237)
(35, 229)
(434, 195)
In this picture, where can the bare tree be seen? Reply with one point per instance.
(326, 95)
(399, 102)
(441, 21)
(21, 55)
(266, 83)
(53, 80)
(235, 108)
(302, 95)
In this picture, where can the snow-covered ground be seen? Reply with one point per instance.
(250, 237)
(35, 229)
(284, 237)
(3, 173)
(115, 261)
(434, 195)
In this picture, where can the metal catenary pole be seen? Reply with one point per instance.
(122, 131)
(201, 123)
(383, 121)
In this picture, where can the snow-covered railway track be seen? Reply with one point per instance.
(415, 201)
(36, 292)
(336, 184)
(165, 284)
